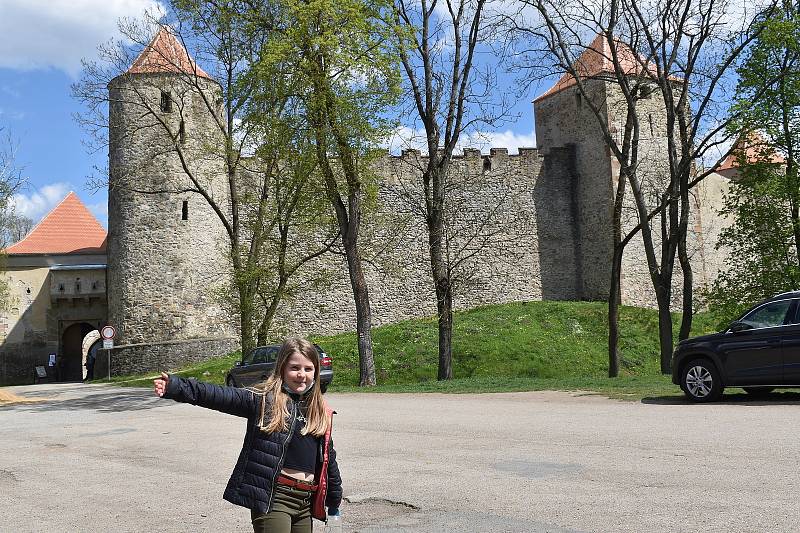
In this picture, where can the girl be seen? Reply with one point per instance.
(287, 472)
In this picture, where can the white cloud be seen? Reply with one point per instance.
(40, 202)
(37, 34)
(404, 138)
(498, 139)
(100, 212)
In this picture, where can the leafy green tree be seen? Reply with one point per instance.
(764, 202)
(346, 76)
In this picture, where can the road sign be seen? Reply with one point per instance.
(108, 332)
(108, 344)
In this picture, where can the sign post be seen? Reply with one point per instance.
(108, 333)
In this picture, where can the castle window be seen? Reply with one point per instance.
(185, 210)
(61, 287)
(77, 286)
(652, 129)
(94, 285)
(182, 132)
(166, 102)
(578, 100)
(487, 164)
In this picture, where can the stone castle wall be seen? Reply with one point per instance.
(165, 244)
(565, 120)
(498, 256)
(528, 226)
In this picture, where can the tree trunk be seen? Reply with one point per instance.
(664, 327)
(439, 270)
(269, 313)
(444, 309)
(246, 321)
(688, 280)
(614, 294)
(613, 311)
(363, 314)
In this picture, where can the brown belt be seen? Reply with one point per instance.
(296, 483)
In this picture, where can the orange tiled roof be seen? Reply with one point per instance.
(165, 53)
(597, 60)
(755, 150)
(68, 229)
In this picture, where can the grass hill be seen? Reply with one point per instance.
(509, 347)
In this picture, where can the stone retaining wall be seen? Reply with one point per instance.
(160, 356)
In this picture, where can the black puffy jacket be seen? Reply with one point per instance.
(261, 459)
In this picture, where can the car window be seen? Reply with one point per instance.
(248, 359)
(796, 319)
(769, 315)
(260, 355)
(272, 353)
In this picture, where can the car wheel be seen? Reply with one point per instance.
(230, 382)
(758, 391)
(700, 381)
(323, 387)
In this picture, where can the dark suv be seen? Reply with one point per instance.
(758, 352)
(259, 364)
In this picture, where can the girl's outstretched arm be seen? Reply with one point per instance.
(231, 400)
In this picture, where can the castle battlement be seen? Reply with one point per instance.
(471, 153)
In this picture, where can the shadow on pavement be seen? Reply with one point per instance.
(733, 398)
(114, 401)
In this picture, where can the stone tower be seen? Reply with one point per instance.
(568, 133)
(165, 244)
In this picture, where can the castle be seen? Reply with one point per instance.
(157, 277)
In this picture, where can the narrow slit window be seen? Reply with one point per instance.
(182, 132)
(166, 102)
(185, 210)
(652, 129)
(77, 286)
(578, 100)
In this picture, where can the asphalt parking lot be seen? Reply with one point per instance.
(101, 458)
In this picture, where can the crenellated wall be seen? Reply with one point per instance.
(526, 226)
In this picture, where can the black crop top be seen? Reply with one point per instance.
(303, 450)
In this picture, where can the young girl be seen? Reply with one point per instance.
(287, 472)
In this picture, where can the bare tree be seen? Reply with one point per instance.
(13, 226)
(450, 95)
(682, 52)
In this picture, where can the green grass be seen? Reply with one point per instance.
(512, 347)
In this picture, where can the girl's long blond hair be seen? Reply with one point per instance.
(274, 414)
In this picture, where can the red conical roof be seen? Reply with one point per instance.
(68, 229)
(597, 60)
(165, 53)
(754, 149)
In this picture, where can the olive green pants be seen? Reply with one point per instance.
(291, 512)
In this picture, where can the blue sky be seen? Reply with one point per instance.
(41, 45)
